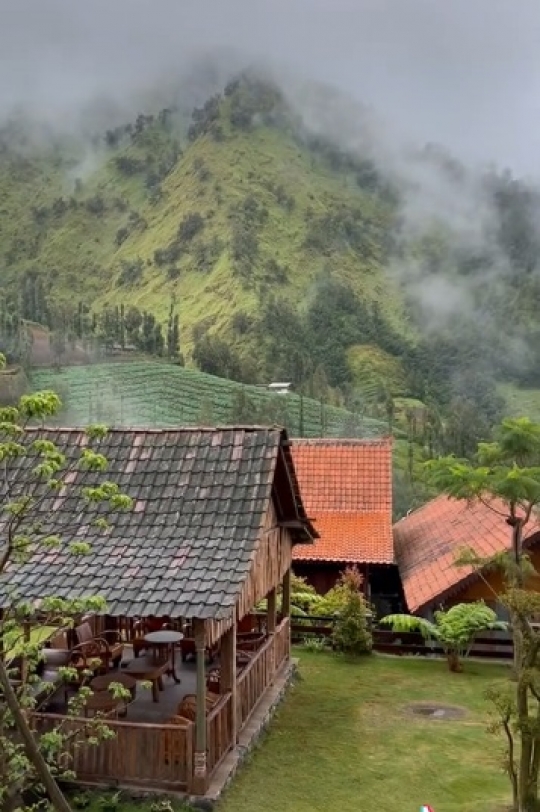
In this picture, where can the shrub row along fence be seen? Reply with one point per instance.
(489, 645)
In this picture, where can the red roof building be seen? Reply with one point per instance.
(346, 487)
(429, 540)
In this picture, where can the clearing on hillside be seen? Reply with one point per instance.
(156, 394)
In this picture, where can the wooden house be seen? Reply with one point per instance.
(347, 486)
(216, 515)
(429, 540)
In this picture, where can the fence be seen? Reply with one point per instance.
(489, 645)
(148, 755)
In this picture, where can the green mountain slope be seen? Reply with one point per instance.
(273, 248)
(258, 198)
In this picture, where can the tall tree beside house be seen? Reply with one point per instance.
(26, 762)
(505, 475)
(351, 633)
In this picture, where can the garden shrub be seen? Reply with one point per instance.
(351, 633)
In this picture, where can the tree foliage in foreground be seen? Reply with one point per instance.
(28, 762)
(505, 476)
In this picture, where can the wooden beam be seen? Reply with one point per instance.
(199, 756)
(228, 675)
(290, 482)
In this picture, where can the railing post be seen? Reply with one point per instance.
(228, 675)
(199, 756)
(271, 616)
(286, 609)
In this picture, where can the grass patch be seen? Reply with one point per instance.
(521, 402)
(14, 640)
(343, 742)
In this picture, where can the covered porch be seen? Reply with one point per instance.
(216, 514)
(177, 743)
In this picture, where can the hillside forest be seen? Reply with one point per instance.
(235, 239)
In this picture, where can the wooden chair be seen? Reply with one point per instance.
(88, 660)
(249, 641)
(143, 627)
(174, 747)
(213, 681)
(188, 648)
(110, 643)
(187, 709)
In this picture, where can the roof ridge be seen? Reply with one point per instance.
(162, 430)
(351, 512)
(387, 440)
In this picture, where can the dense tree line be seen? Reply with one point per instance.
(117, 328)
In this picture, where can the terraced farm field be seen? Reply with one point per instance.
(157, 394)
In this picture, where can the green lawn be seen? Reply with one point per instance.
(342, 742)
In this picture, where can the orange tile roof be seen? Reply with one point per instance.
(346, 487)
(428, 541)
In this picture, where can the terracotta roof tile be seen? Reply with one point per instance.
(346, 487)
(428, 541)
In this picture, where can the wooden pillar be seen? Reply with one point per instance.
(271, 612)
(199, 756)
(286, 594)
(271, 627)
(228, 675)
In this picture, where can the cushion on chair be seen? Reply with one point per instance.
(56, 657)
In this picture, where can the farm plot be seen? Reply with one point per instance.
(150, 393)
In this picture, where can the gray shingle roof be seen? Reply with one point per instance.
(200, 497)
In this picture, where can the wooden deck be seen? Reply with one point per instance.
(158, 755)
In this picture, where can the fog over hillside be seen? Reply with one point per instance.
(434, 100)
(463, 74)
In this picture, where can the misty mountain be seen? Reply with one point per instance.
(294, 244)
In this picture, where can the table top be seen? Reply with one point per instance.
(102, 700)
(164, 636)
(103, 682)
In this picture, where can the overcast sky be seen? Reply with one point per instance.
(464, 73)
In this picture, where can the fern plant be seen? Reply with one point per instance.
(455, 628)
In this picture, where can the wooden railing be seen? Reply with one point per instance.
(282, 643)
(487, 645)
(219, 733)
(252, 682)
(157, 756)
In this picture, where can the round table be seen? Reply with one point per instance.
(165, 638)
